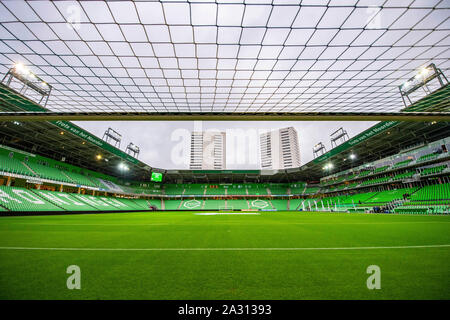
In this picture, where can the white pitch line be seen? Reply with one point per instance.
(94, 224)
(393, 222)
(226, 249)
(225, 213)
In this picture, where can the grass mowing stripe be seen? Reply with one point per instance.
(227, 249)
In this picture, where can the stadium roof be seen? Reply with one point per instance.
(58, 140)
(225, 56)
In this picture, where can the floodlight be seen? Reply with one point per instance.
(328, 166)
(19, 72)
(19, 67)
(353, 156)
(421, 80)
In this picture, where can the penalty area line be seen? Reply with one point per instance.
(227, 249)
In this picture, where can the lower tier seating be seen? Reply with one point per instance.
(66, 201)
(435, 197)
(214, 204)
(433, 192)
(237, 204)
(20, 199)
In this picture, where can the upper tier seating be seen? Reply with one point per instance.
(404, 175)
(236, 189)
(427, 157)
(257, 189)
(297, 188)
(381, 169)
(13, 165)
(195, 189)
(278, 189)
(365, 173)
(215, 189)
(80, 179)
(48, 172)
(375, 181)
(433, 170)
(311, 190)
(402, 163)
(173, 189)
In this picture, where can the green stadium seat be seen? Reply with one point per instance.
(427, 157)
(381, 169)
(47, 172)
(375, 181)
(278, 189)
(237, 204)
(433, 170)
(64, 200)
(215, 190)
(195, 189)
(405, 175)
(260, 204)
(402, 163)
(214, 204)
(311, 190)
(81, 179)
(279, 204)
(433, 192)
(257, 189)
(172, 204)
(20, 199)
(236, 189)
(15, 166)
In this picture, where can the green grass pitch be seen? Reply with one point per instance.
(274, 255)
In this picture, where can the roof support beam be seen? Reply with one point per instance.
(225, 116)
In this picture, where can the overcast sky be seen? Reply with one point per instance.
(166, 144)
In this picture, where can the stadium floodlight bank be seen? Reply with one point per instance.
(421, 80)
(29, 80)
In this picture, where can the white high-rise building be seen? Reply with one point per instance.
(208, 150)
(280, 149)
